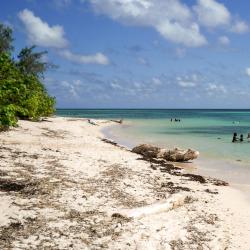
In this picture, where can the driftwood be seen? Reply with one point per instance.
(171, 203)
(92, 122)
(117, 121)
(176, 155)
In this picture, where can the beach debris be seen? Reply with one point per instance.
(154, 167)
(119, 216)
(92, 122)
(171, 203)
(177, 244)
(166, 167)
(211, 191)
(195, 177)
(60, 134)
(170, 168)
(218, 182)
(117, 121)
(171, 188)
(176, 154)
(113, 143)
(163, 164)
(110, 142)
(8, 185)
(24, 187)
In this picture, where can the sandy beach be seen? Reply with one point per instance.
(62, 186)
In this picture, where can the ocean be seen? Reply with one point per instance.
(208, 131)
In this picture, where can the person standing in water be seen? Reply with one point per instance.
(235, 139)
(241, 138)
(248, 137)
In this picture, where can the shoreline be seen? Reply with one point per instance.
(64, 187)
(227, 170)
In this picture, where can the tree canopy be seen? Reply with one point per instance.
(33, 63)
(22, 94)
(6, 39)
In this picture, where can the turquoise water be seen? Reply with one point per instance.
(208, 131)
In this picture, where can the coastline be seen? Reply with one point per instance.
(62, 186)
(236, 173)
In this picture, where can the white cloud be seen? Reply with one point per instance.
(248, 71)
(172, 19)
(189, 36)
(116, 85)
(187, 81)
(212, 87)
(70, 89)
(137, 85)
(97, 58)
(212, 14)
(223, 40)
(240, 27)
(186, 84)
(40, 33)
(156, 81)
(77, 83)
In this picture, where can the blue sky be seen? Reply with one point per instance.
(139, 53)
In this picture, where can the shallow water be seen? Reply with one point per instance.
(208, 131)
(212, 138)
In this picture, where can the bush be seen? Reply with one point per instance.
(8, 116)
(21, 95)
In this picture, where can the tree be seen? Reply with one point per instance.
(6, 39)
(22, 94)
(32, 63)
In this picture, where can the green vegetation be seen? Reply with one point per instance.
(22, 95)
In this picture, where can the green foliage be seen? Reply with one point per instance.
(8, 116)
(5, 39)
(22, 95)
(31, 63)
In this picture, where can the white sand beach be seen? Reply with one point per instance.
(63, 187)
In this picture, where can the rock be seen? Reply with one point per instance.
(147, 150)
(177, 155)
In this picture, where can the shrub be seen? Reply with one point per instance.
(21, 95)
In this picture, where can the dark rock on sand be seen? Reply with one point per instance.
(147, 150)
(176, 155)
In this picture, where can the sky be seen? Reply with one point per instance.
(138, 53)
